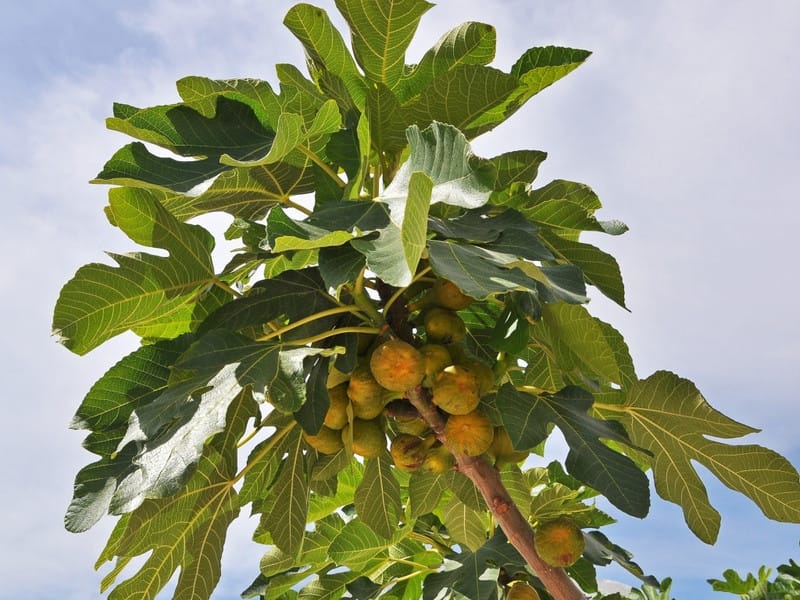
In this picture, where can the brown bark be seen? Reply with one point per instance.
(487, 479)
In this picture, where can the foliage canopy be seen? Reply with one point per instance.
(354, 194)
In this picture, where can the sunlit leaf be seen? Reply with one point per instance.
(152, 295)
(668, 416)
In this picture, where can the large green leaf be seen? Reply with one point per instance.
(466, 579)
(286, 521)
(586, 348)
(464, 524)
(443, 154)
(245, 192)
(185, 532)
(152, 295)
(599, 268)
(377, 498)
(536, 69)
(234, 129)
(445, 100)
(136, 166)
(381, 33)
(526, 417)
(325, 48)
(476, 271)
(668, 416)
(202, 94)
(134, 381)
(467, 44)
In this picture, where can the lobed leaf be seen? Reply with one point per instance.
(668, 416)
(152, 295)
(381, 33)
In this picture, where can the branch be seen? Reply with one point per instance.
(487, 479)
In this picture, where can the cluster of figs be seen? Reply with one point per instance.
(369, 406)
(370, 402)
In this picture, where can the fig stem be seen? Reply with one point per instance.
(505, 512)
(347, 308)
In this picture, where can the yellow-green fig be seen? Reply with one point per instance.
(439, 460)
(336, 416)
(521, 590)
(443, 326)
(455, 390)
(397, 365)
(470, 434)
(437, 358)
(366, 395)
(447, 294)
(408, 452)
(326, 440)
(559, 542)
(368, 437)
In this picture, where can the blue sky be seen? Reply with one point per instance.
(684, 121)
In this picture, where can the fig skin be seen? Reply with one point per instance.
(369, 440)
(366, 395)
(411, 425)
(559, 542)
(326, 441)
(521, 590)
(437, 358)
(447, 294)
(470, 434)
(336, 417)
(503, 450)
(483, 374)
(439, 460)
(443, 326)
(455, 390)
(397, 366)
(408, 452)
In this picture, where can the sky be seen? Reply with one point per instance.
(684, 121)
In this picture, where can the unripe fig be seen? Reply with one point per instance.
(336, 417)
(411, 425)
(397, 365)
(443, 326)
(439, 460)
(520, 590)
(470, 434)
(408, 452)
(455, 390)
(559, 542)
(446, 294)
(503, 450)
(483, 374)
(436, 358)
(368, 437)
(326, 441)
(366, 395)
